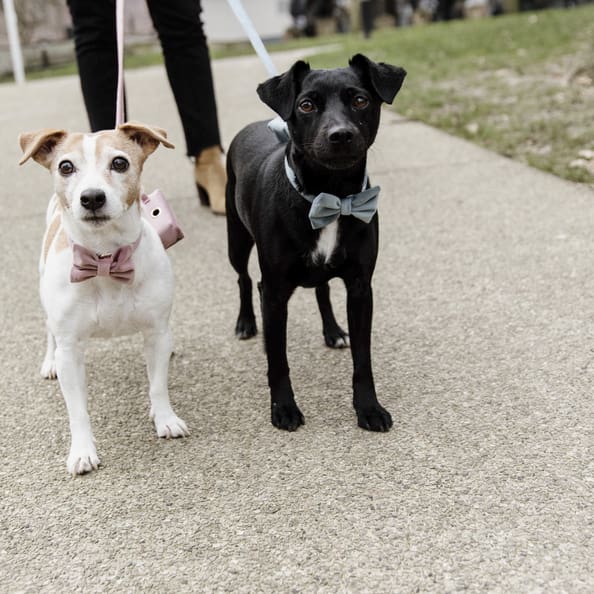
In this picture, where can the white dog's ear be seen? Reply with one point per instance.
(40, 145)
(147, 137)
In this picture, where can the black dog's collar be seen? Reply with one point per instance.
(280, 129)
(327, 208)
(297, 185)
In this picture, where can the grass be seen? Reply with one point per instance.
(519, 84)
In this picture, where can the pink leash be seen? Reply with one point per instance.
(120, 51)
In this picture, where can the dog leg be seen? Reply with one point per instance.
(284, 411)
(240, 245)
(70, 367)
(157, 350)
(334, 336)
(246, 321)
(48, 367)
(370, 414)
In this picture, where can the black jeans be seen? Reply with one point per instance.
(187, 62)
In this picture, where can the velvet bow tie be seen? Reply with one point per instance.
(326, 208)
(87, 264)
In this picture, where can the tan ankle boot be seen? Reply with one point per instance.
(211, 178)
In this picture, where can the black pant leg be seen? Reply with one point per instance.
(95, 42)
(187, 61)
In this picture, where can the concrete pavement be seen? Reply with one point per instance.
(483, 348)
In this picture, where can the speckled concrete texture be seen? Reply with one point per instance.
(483, 346)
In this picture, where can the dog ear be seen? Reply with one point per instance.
(148, 137)
(40, 145)
(279, 92)
(385, 79)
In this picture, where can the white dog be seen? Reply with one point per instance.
(104, 271)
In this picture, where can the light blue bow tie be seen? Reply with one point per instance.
(326, 208)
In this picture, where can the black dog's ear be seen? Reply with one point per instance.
(385, 79)
(279, 92)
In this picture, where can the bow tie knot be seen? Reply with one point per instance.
(346, 206)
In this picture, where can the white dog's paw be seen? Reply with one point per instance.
(82, 460)
(169, 425)
(48, 369)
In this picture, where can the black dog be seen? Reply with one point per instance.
(332, 118)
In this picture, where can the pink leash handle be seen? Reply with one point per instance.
(120, 52)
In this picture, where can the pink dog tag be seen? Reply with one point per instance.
(159, 214)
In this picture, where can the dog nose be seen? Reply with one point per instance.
(92, 199)
(340, 135)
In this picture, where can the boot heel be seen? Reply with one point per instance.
(203, 195)
(211, 177)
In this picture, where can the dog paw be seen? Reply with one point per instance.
(375, 418)
(337, 339)
(286, 416)
(48, 369)
(82, 460)
(245, 328)
(170, 426)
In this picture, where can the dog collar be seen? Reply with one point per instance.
(280, 129)
(87, 264)
(326, 208)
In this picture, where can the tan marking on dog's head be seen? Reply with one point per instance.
(114, 143)
(136, 141)
(72, 142)
(41, 145)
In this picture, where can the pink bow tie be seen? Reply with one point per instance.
(87, 264)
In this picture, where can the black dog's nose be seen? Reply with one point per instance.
(92, 199)
(340, 135)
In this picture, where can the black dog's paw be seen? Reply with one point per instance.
(375, 418)
(336, 338)
(286, 416)
(245, 328)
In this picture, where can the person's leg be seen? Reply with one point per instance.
(188, 67)
(187, 61)
(95, 42)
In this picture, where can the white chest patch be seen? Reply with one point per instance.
(326, 243)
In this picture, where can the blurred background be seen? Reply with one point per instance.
(515, 76)
(45, 29)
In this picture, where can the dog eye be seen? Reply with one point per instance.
(360, 102)
(307, 106)
(66, 168)
(120, 164)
